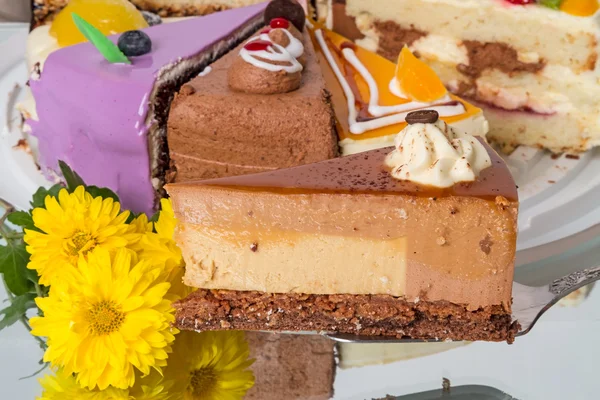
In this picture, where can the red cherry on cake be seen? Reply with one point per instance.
(521, 2)
(266, 30)
(279, 23)
(257, 45)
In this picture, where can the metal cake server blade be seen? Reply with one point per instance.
(529, 304)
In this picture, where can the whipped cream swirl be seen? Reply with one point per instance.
(436, 155)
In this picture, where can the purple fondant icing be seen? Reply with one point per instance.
(92, 114)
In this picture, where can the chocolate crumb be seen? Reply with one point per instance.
(453, 211)
(551, 181)
(572, 157)
(554, 156)
(486, 244)
(22, 145)
(446, 385)
(254, 247)
(187, 90)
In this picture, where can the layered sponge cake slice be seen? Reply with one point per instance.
(531, 67)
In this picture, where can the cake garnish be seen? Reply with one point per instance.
(288, 9)
(108, 16)
(366, 111)
(134, 43)
(430, 152)
(416, 80)
(580, 8)
(108, 49)
(269, 63)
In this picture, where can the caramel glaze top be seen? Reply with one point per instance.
(367, 173)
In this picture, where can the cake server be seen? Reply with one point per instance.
(529, 304)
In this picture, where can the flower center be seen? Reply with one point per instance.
(80, 242)
(202, 383)
(105, 318)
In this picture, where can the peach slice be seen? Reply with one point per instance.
(580, 8)
(109, 16)
(417, 80)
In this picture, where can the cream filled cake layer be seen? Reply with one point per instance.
(538, 62)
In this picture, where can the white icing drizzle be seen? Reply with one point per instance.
(205, 71)
(385, 115)
(309, 24)
(295, 48)
(274, 53)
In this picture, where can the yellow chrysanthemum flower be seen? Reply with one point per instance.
(72, 226)
(114, 316)
(160, 248)
(210, 366)
(63, 386)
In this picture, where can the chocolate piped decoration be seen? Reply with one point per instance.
(249, 78)
(288, 9)
(278, 36)
(422, 117)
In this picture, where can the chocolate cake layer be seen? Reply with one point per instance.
(291, 367)
(214, 131)
(394, 37)
(373, 315)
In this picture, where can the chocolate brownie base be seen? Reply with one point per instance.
(372, 315)
(291, 366)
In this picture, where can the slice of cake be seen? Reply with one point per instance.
(108, 121)
(256, 109)
(532, 65)
(417, 241)
(45, 10)
(372, 96)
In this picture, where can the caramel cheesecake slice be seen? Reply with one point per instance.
(414, 241)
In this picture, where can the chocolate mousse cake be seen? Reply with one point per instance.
(413, 241)
(532, 65)
(261, 107)
(108, 120)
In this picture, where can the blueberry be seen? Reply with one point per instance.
(134, 43)
(151, 18)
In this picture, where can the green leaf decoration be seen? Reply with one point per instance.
(22, 219)
(154, 218)
(13, 264)
(554, 4)
(108, 49)
(105, 193)
(17, 309)
(71, 177)
(39, 196)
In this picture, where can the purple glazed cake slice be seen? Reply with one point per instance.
(108, 121)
